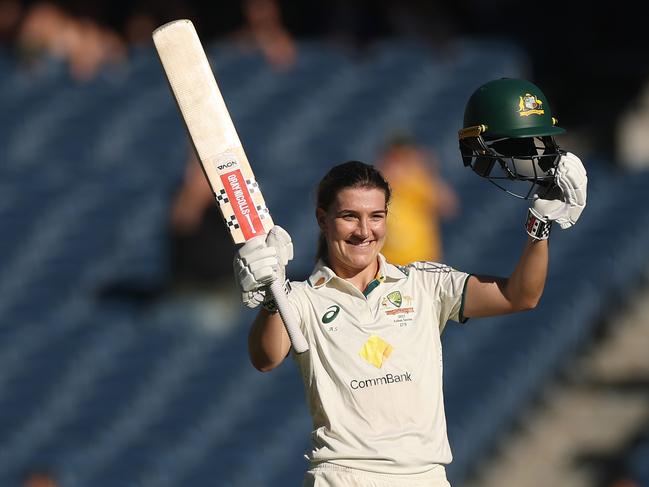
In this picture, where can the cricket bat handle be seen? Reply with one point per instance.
(288, 317)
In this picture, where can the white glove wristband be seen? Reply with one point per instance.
(536, 226)
(269, 303)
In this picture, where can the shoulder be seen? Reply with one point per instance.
(299, 284)
(435, 277)
(298, 296)
(302, 291)
(298, 288)
(425, 267)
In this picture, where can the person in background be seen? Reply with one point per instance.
(198, 238)
(48, 31)
(39, 478)
(264, 29)
(420, 199)
(11, 12)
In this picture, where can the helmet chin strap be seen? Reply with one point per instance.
(533, 193)
(530, 195)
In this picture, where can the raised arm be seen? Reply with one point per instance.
(489, 296)
(268, 341)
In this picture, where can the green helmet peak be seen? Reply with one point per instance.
(509, 107)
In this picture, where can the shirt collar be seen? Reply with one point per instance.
(390, 271)
(322, 274)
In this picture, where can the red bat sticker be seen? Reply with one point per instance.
(242, 204)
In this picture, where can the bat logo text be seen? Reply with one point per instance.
(220, 167)
(239, 197)
(242, 204)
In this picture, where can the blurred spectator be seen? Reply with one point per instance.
(95, 47)
(139, 26)
(432, 22)
(201, 247)
(201, 282)
(264, 29)
(616, 473)
(11, 12)
(44, 31)
(39, 478)
(420, 199)
(631, 141)
(48, 31)
(199, 255)
(624, 482)
(144, 16)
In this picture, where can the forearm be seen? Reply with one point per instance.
(523, 289)
(268, 341)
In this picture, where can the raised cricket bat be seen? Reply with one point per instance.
(218, 146)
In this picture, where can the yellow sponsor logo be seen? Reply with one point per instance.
(529, 104)
(375, 351)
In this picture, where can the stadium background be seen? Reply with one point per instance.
(106, 379)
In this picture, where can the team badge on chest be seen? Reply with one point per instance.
(398, 307)
(395, 298)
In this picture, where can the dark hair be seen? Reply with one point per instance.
(350, 174)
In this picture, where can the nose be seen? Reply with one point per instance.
(363, 229)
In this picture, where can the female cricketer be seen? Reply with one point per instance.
(373, 373)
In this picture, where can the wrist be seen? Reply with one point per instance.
(537, 226)
(269, 303)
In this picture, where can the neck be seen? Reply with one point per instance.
(360, 278)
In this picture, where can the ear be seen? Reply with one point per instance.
(321, 216)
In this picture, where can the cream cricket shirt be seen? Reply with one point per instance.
(373, 374)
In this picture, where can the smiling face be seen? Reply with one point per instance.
(354, 228)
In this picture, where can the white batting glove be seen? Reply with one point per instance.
(259, 262)
(572, 180)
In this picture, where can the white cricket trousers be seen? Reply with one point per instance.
(330, 475)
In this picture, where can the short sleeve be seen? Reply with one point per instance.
(447, 286)
(453, 290)
(297, 298)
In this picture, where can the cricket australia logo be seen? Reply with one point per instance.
(529, 104)
(396, 303)
(398, 307)
(395, 298)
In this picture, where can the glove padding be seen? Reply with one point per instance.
(572, 181)
(259, 262)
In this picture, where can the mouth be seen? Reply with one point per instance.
(360, 244)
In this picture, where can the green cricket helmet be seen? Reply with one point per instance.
(508, 135)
